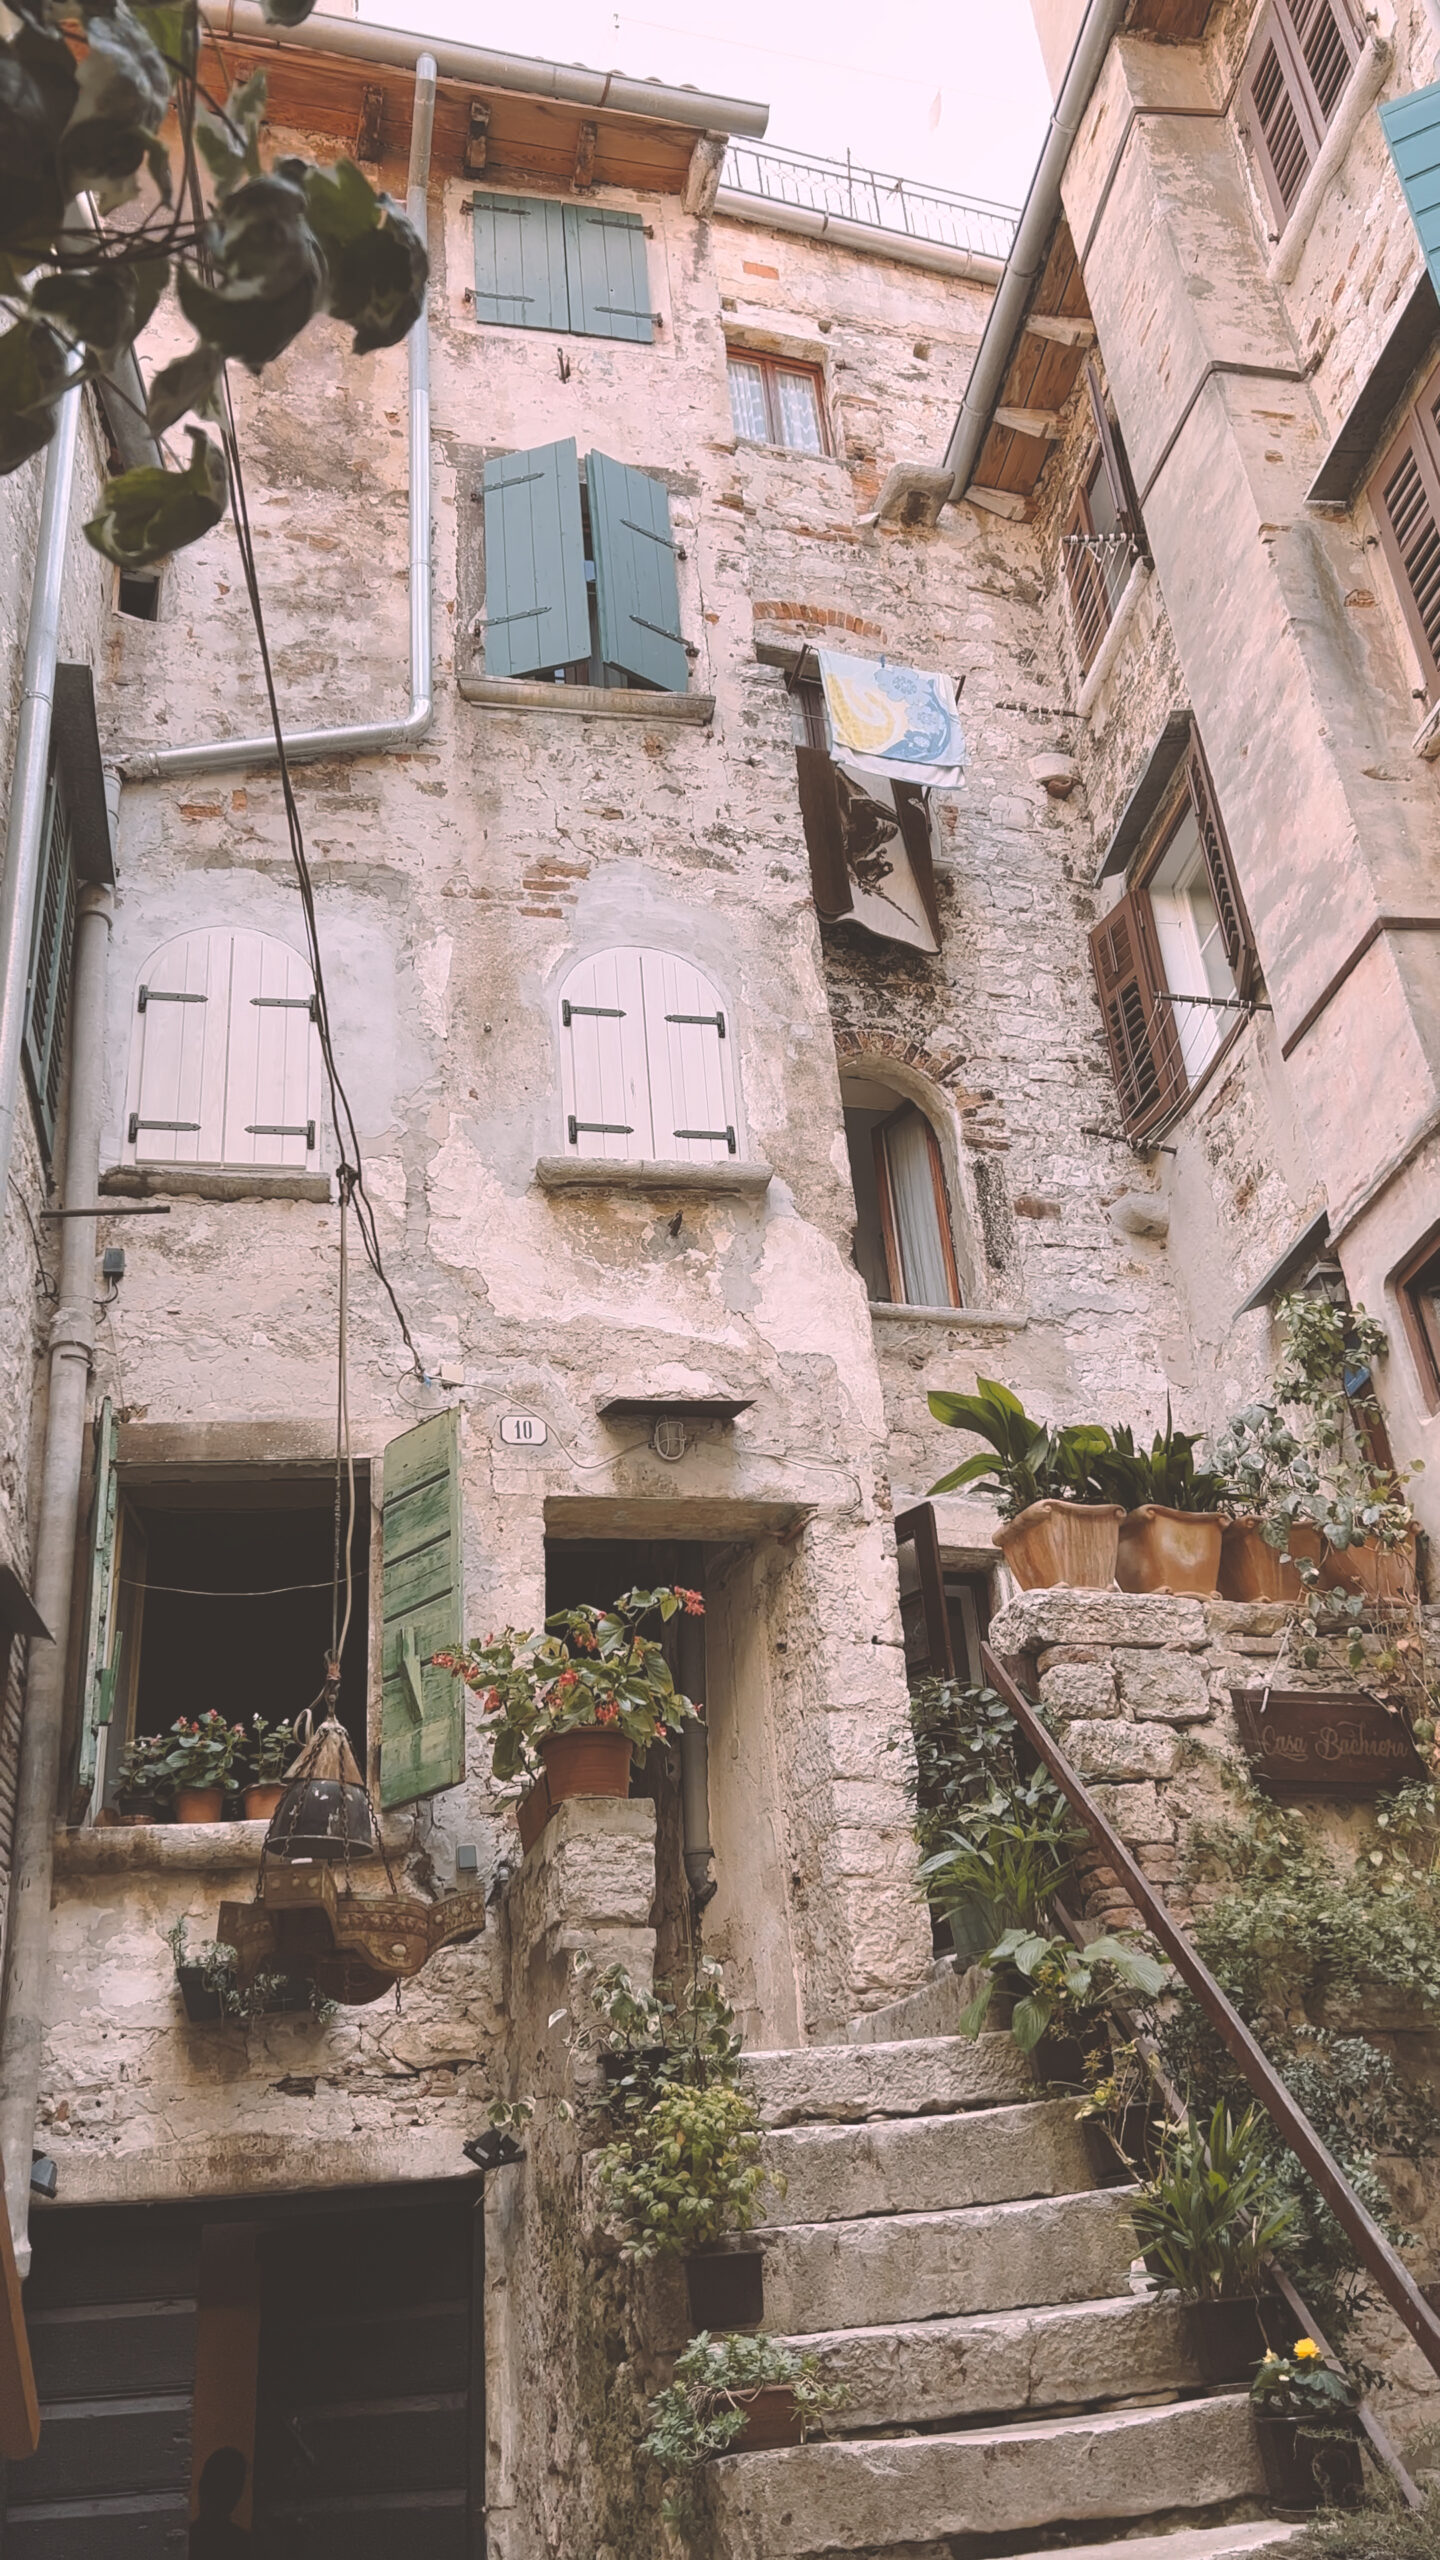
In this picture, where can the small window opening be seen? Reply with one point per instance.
(139, 595)
(776, 403)
(904, 1246)
(224, 1601)
(1192, 947)
(1419, 1287)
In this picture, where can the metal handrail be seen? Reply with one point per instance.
(1364, 2234)
(871, 196)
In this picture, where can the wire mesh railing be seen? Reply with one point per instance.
(853, 194)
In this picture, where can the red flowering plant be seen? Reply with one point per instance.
(587, 1666)
(198, 1751)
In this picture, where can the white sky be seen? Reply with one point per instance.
(834, 74)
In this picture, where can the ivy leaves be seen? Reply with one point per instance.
(277, 248)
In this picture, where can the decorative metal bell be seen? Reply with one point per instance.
(325, 1812)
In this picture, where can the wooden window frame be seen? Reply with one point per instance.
(769, 366)
(889, 1231)
(1417, 439)
(1279, 33)
(1422, 1324)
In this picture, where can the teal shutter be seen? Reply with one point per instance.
(422, 1711)
(520, 262)
(608, 274)
(636, 586)
(1412, 129)
(48, 987)
(98, 1675)
(537, 611)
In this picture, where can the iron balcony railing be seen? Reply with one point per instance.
(969, 223)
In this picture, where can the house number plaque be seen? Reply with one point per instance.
(1325, 1742)
(523, 1431)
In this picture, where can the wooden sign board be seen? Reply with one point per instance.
(1325, 1742)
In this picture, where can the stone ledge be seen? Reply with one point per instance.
(593, 701)
(956, 1319)
(209, 1182)
(251, 2162)
(182, 1848)
(599, 1173)
(1034, 1620)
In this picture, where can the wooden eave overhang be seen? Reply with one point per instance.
(1182, 20)
(1043, 372)
(361, 111)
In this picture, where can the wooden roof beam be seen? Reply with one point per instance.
(1062, 331)
(1043, 424)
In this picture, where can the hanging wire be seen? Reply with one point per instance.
(344, 1454)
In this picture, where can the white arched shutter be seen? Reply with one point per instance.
(604, 1079)
(691, 1053)
(272, 1079)
(175, 1108)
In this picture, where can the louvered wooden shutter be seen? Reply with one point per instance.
(604, 1071)
(48, 987)
(636, 585)
(912, 808)
(830, 881)
(537, 610)
(272, 1080)
(1295, 76)
(608, 274)
(520, 278)
(1117, 467)
(1405, 494)
(1235, 930)
(929, 1652)
(1412, 129)
(96, 1679)
(422, 1715)
(690, 1052)
(1144, 1052)
(176, 1105)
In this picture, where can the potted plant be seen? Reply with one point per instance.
(206, 1974)
(1000, 1863)
(138, 1789)
(680, 2173)
(1170, 1537)
(264, 1756)
(189, 1770)
(1305, 2420)
(1057, 1528)
(1061, 1993)
(731, 2395)
(573, 1703)
(1206, 2224)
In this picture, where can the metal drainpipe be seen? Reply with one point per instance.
(72, 1345)
(376, 737)
(24, 835)
(695, 1770)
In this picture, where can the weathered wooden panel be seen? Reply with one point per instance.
(1315, 1742)
(1184, 20)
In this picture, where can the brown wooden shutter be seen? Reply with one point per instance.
(824, 835)
(1144, 1052)
(917, 1528)
(912, 810)
(1235, 930)
(1405, 494)
(1117, 467)
(1295, 76)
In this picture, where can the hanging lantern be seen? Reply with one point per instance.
(325, 1811)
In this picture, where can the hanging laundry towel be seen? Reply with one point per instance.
(901, 723)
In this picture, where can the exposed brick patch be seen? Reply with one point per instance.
(820, 617)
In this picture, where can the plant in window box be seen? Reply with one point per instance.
(573, 1703)
(1207, 2223)
(211, 1991)
(263, 1757)
(1305, 2417)
(1057, 1528)
(188, 1771)
(731, 2395)
(1171, 1534)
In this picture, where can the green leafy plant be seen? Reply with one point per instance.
(702, 2413)
(87, 87)
(1303, 2385)
(1164, 1473)
(215, 1964)
(198, 1751)
(265, 1752)
(648, 2040)
(1207, 2223)
(1006, 1855)
(1059, 1984)
(139, 1781)
(589, 1667)
(1333, 1477)
(1381, 2527)
(963, 1750)
(1030, 1461)
(684, 2169)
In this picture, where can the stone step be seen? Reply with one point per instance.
(1003, 2364)
(920, 2076)
(927, 2164)
(930, 2266)
(892, 2494)
(933, 2008)
(1188, 2542)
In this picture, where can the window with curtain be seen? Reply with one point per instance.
(904, 1246)
(772, 402)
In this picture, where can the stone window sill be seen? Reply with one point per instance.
(594, 701)
(210, 1182)
(976, 1319)
(600, 1173)
(181, 1848)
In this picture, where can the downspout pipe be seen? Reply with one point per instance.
(373, 737)
(72, 1351)
(1101, 23)
(29, 778)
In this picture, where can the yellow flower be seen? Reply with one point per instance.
(1306, 2347)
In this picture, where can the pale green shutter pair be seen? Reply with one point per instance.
(543, 265)
(537, 611)
(422, 1720)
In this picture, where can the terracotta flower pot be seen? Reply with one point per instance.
(261, 1800)
(589, 1762)
(199, 1804)
(1165, 1550)
(1063, 1544)
(1377, 1573)
(533, 1812)
(771, 2418)
(1251, 1569)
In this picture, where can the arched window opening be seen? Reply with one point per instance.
(903, 1242)
(225, 1058)
(647, 1066)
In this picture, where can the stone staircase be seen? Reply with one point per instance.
(943, 2248)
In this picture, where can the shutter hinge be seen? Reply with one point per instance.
(717, 1018)
(165, 995)
(605, 1012)
(727, 1134)
(650, 535)
(281, 1129)
(289, 1004)
(137, 1124)
(600, 1129)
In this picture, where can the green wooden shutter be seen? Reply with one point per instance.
(48, 987)
(520, 278)
(1412, 129)
(98, 1675)
(422, 1711)
(608, 274)
(636, 587)
(537, 609)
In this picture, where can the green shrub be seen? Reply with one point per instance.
(702, 2412)
(684, 2170)
(1208, 2222)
